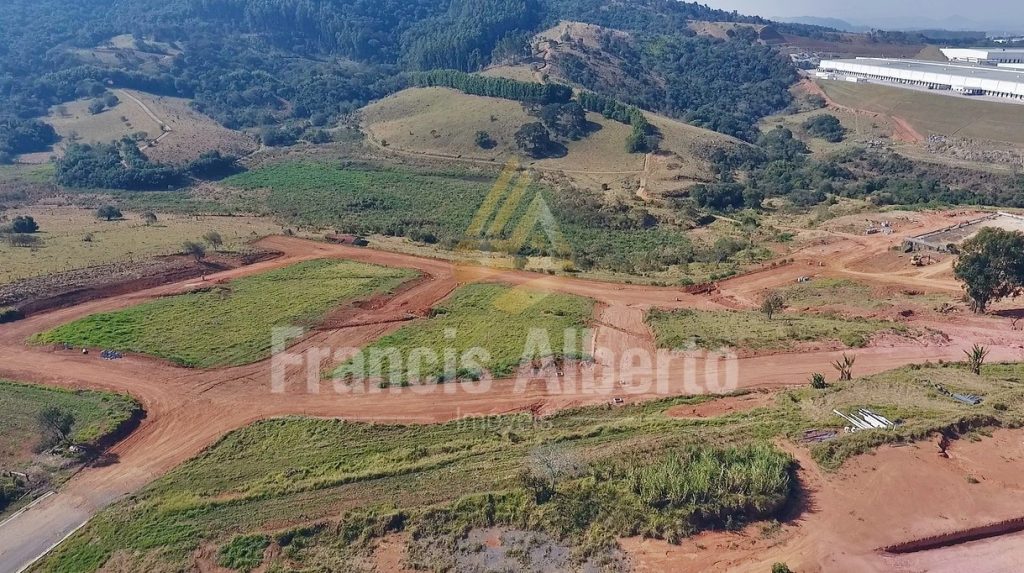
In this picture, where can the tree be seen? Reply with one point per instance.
(991, 266)
(781, 568)
(149, 217)
(97, 106)
(110, 100)
(197, 250)
(213, 239)
(23, 240)
(484, 140)
(976, 358)
(55, 423)
(845, 367)
(24, 224)
(773, 302)
(826, 126)
(534, 140)
(108, 212)
(546, 465)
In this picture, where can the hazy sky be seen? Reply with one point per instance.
(991, 12)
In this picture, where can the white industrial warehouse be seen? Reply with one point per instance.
(985, 55)
(962, 78)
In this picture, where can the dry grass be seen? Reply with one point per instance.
(443, 122)
(102, 127)
(934, 113)
(63, 230)
(191, 133)
(860, 128)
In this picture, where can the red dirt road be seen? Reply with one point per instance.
(187, 410)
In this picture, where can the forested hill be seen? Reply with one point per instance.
(249, 63)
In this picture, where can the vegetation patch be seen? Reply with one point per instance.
(218, 327)
(361, 200)
(502, 321)
(88, 418)
(911, 397)
(751, 330)
(244, 553)
(581, 476)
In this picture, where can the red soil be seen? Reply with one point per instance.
(190, 409)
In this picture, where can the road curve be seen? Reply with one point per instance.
(187, 410)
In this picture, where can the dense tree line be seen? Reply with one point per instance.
(250, 63)
(780, 166)
(527, 92)
(24, 136)
(121, 165)
(723, 85)
(117, 165)
(643, 136)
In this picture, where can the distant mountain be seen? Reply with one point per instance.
(954, 23)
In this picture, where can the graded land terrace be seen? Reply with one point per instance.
(230, 324)
(500, 320)
(323, 493)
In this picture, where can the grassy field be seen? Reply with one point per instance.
(96, 415)
(322, 491)
(934, 113)
(368, 201)
(75, 123)
(469, 320)
(190, 133)
(74, 238)
(824, 292)
(219, 327)
(429, 121)
(439, 208)
(752, 330)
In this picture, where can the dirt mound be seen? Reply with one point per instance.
(722, 406)
(75, 287)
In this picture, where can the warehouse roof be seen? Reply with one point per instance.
(963, 70)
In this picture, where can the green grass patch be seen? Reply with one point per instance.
(368, 201)
(230, 324)
(96, 416)
(243, 553)
(499, 319)
(321, 489)
(848, 293)
(752, 330)
(439, 207)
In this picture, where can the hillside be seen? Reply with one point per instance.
(443, 122)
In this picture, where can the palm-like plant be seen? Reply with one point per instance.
(845, 367)
(976, 358)
(818, 381)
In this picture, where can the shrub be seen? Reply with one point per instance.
(826, 126)
(108, 212)
(484, 140)
(24, 224)
(23, 240)
(244, 552)
(10, 314)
